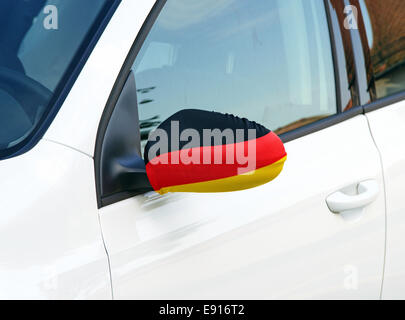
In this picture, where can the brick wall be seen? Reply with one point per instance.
(388, 20)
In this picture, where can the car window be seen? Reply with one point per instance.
(41, 41)
(384, 23)
(268, 61)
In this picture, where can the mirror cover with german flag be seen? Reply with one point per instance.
(202, 151)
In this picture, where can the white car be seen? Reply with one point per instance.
(327, 76)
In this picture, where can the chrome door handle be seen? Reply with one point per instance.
(367, 193)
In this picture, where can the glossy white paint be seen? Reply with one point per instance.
(51, 245)
(388, 128)
(77, 122)
(276, 241)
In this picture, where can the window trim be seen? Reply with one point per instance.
(384, 102)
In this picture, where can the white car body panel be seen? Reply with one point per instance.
(51, 246)
(388, 128)
(279, 240)
(275, 241)
(77, 122)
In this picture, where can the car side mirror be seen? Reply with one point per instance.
(192, 151)
(201, 151)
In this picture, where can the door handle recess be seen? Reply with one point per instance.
(367, 193)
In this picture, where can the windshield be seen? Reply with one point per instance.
(41, 43)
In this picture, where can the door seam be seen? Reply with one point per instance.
(385, 205)
(108, 257)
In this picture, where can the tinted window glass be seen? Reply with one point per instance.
(268, 61)
(39, 40)
(384, 22)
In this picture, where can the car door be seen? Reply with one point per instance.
(385, 45)
(277, 63)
